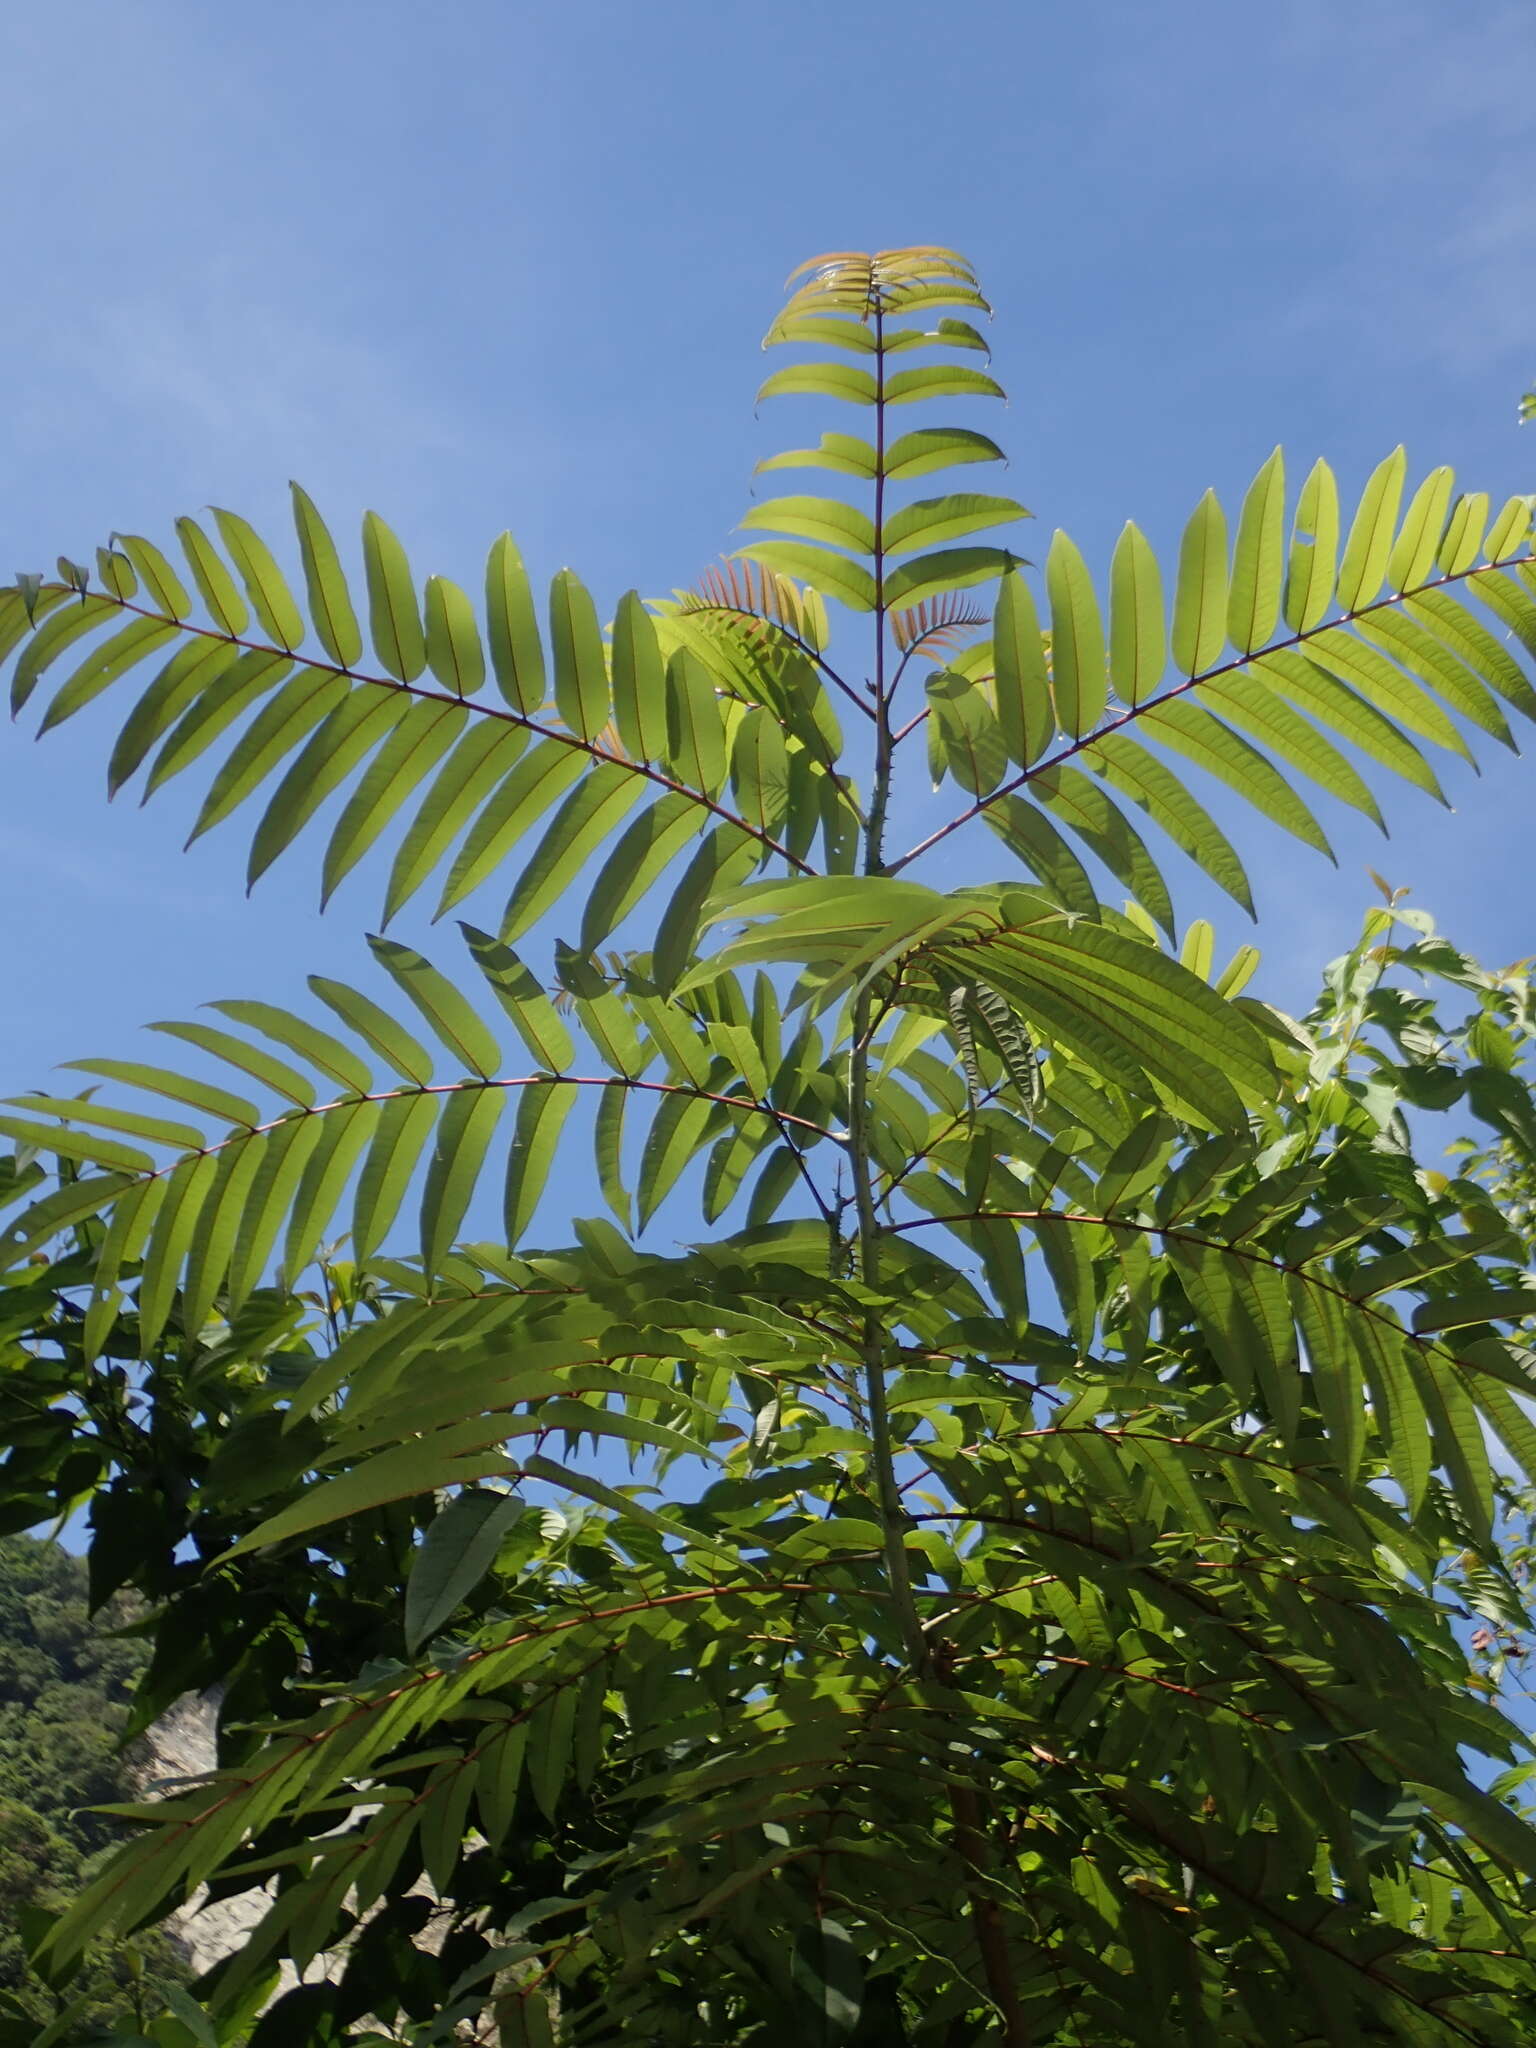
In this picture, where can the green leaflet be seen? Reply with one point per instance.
(844, 454)
(192, 671)
(459, 1549)
(239, 1053)
(1078, 672)
(583, 824)
(535, 1017)
(404, 1054)
(678, 1135)
(1487, 656)
(298, 707)
(931, 448)
(576, 642)
(49, 640)
(80, 1109)
(1138, 636)
(1371, 534)
(973, 739)
(1258, 560)
(484, 757)
(454, 653)
(330, 603)
(639, 682)
(1462, 541)
(394, 619)
(608, 1149)
(326, 1174)
(512, 628)
(350, 733)
(941, 380)
(215, 585)
(161, 584)
(1243, 701)
(1313, 560)
(1188, 730)
(696, 747)
(760, 771)
(821, 380)
(1128, 767)
(541, 1115)
(537, 781)
(1412, 559)
(404, 1473)
(853, 335)
(214, 710)
(328, 1054)
(725, 855)
(285, 1153)
(1418, 651)
(198, 1094)
(929, 522)
(71, 1144)
(930, 576)
(1081, 805)
(404, 1126)
(1200, 602)
(1325, 698)
(445, 1009)
(1346, 656)
(464, 1132)
(833, 575)
(827, 521)
(1026, 831)
(102, 667)
(415, 745)
(1026, 713)
(271, 599)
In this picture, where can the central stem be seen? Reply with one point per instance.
(893, 1519)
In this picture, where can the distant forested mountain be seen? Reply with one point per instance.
(65, 1686)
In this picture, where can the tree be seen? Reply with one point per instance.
(1024, 1615)
(64, 1689)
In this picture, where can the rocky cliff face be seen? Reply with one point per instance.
(184, 1744)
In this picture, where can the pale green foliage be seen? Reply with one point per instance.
(1088, 1384)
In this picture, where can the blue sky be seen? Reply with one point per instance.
(507, 266)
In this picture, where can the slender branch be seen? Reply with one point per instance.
(1211, 675)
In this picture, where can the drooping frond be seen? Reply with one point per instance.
(1274, 652)
(207, 1208)
(580, 733)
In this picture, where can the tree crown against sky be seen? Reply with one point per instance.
(1059, 1616)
